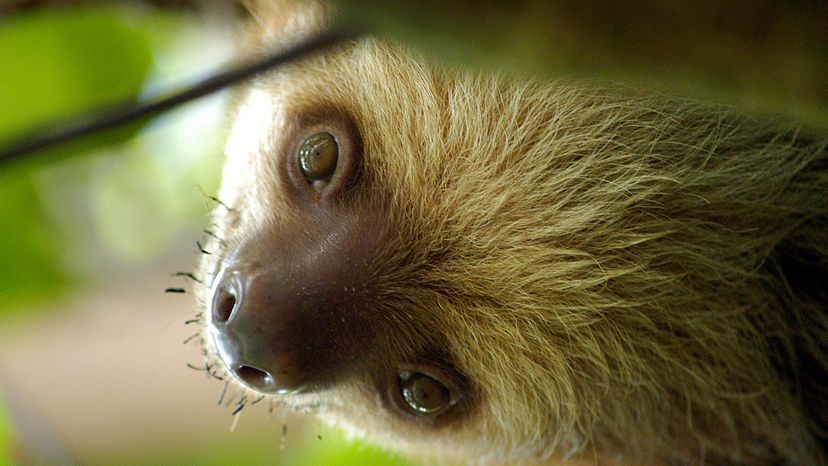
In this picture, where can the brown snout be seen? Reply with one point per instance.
(289, 324)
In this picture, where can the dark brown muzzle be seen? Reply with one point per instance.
(293, 321)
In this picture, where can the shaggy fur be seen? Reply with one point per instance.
(630, 278)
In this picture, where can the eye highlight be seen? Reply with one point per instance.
(423, 394)
(318, 156)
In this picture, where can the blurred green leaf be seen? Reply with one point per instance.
(29, 264)
(330, 448)
(5, 434)
(65, 61)
(56, 63)
(334, 449)
(142, 203)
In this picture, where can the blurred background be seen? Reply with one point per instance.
(93, 359)
(93, 368)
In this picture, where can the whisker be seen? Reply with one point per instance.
(202, 250)
(282, 440)
(213, 235)
(223, 392)
(240, 405)
(229, 400)
(187, 275)
(194, 367)
(210, 374)
(215, 199)
(236, 417)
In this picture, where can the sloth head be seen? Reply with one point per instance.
(471, 267)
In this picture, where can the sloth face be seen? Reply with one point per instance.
(387, 255)
(324, 289)
(300, 304)
(468, 267)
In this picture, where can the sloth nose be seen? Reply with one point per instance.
(282, 329)
(252, 328)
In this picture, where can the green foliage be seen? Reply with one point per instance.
(30, 258)
(5, 435)
(328, 447)
(65, 61)
(334, 449)
(56, 63)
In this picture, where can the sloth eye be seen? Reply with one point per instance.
(424, 394)
(318, 156)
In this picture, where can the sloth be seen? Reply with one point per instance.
(471, 268)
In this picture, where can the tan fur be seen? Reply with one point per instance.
(607, 269)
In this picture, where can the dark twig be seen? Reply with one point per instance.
(123, 113)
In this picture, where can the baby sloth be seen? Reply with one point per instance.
(472, 269)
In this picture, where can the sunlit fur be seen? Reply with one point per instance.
(606, 269)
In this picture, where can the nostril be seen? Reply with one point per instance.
(251, 338)
(255, 378)
(223, 306)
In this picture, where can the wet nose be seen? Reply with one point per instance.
(256, 326)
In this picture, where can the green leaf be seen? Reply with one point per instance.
(30, 258)
(61, 62)
(56, 63)
(334, 449)
(5, 435)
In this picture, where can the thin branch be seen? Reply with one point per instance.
(126, 112)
